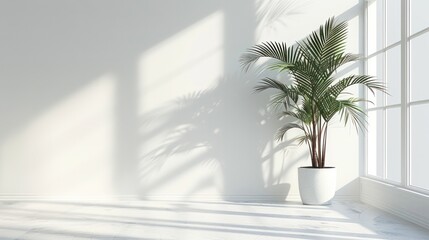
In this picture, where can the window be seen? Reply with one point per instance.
(397, 37)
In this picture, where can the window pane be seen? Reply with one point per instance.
(419, 67)
(375, 143)
(393, 144)
(419, 138)
(419, 15)
(375, 26)
(393, 21)
(375, 68)
(393, 75)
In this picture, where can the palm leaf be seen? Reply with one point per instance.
(368, 81)
(328, 41)
(273, 50)
(336, 61)
(286, 93)
(328, 106)
(268, 83)
(279, 100)
(349, 110)
(283, 130)
(315, 96)
(301, 139)
(283, 99)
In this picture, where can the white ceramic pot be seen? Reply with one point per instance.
(317, 186)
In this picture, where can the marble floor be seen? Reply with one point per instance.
(199, 220)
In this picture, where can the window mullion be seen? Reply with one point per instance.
(384, 74)
(405, 164)
(364, 92)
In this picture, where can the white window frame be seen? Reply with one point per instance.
(405, 103)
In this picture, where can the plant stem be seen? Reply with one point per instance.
(324, 143)
(319, 142)
(314, 161)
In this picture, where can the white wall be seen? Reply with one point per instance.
(147, 98)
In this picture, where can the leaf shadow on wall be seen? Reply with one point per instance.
(223, 130)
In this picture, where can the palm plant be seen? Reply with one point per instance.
(315, 95)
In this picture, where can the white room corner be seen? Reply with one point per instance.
(139, 120)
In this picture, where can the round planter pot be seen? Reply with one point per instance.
(317, 186)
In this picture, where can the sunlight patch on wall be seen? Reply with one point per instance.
(67, 149)
(183, 63)
(176, 158)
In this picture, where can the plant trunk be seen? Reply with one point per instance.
(325, 135)
(319, 143)
(314, 161)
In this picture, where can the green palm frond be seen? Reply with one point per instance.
(295, 114)
(273, 50)
(328, 41)
(283, 130)
(268, 83)
(285, 94)
(306, 111)
(328, 106)
(283, 99)
(299, 113)
(368, 81)
(315, 95)
(349, 110)
(338, 60)
(278, 100)
(302, 139)
(280, 66)
(305, 77)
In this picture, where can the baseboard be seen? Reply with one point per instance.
(401, 202)
(217, 198)
(203, 198)
(243, 198)
(83, 198)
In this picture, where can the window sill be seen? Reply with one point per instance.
(402, 202)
